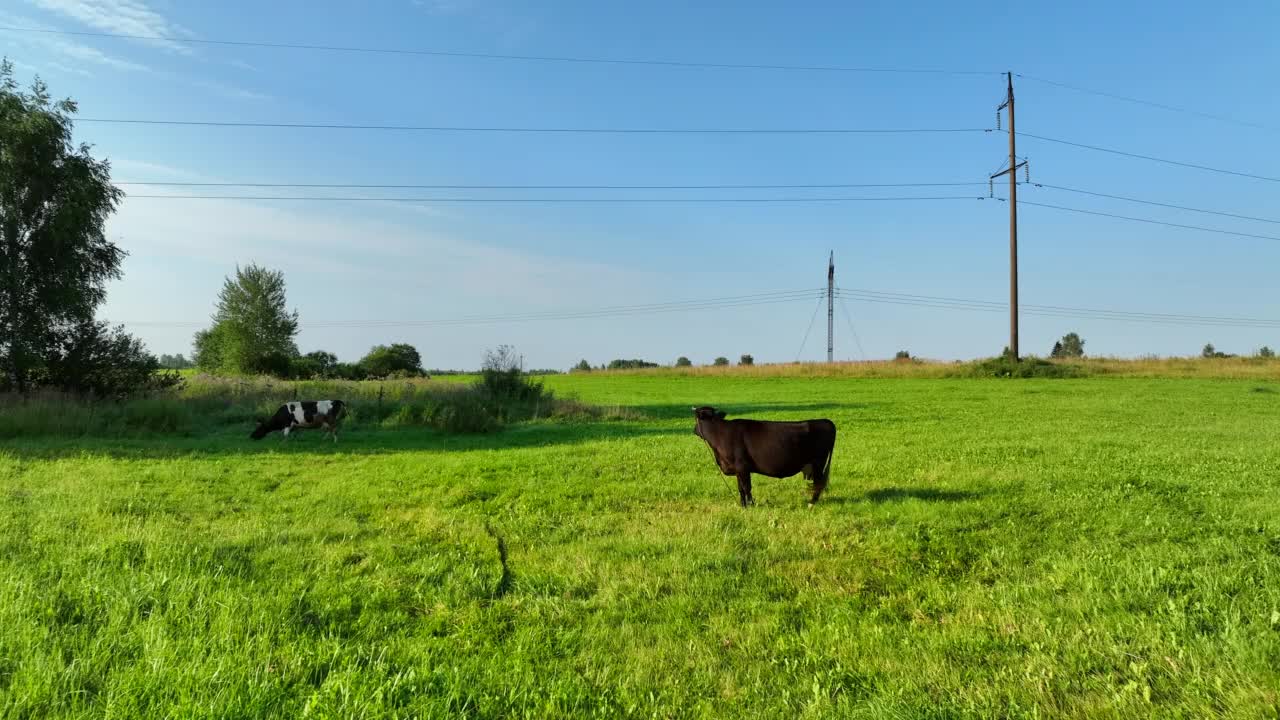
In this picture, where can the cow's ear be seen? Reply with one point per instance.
(720, 414)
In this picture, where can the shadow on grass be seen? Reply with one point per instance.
(223, 442)
(898, 494)
(901, 494)
(228, 440)
(761, 411)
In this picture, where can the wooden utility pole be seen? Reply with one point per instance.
(1012, 172)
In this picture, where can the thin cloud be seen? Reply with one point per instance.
(85, 53)
(233, 92)
(146, 170)
(125, 17)
(70, 70)
(224, 232)
(66, 48)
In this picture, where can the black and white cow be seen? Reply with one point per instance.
(303, 414)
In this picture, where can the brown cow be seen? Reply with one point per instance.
(774, 449)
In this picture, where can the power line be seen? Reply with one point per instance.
(1056, 310)
(554, 130)
(1074, 316)
(497, 56)
(348, 198)
(848, 318)
(808, 330)
(1149, 221)
(1159, 204)
(1149, 103)
(1166, 161)
(609, 311)
(998, 305)
(805, 186)
(355, 186)
(779, 297)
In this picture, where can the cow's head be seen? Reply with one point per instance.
(261, 430)
(705, 415)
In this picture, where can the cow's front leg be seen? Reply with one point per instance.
(744, 489)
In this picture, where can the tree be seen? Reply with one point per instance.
(324, 360)
(902, 355)
(174, 362)
(55, 259)
(620, 364)
(252, 330)
(1208, 351)
(1266, 352)
(683, 361)
(395, 359)
(1070, 346)
(746, 360)
(313, 365)
(582, 366)
(96, 359)
(720, 361)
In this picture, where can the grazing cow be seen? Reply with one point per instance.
(775, 449)
(303, 414)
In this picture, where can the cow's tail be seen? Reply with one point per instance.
(820, 479)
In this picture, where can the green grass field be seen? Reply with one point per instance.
(987, 548)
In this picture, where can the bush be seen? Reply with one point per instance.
(902, 355)
(1029, 367)
(746, 360)
(1210, 351)
(1266, 352)
(398, 359)
(501, 378)
(275, 364)
(304, 368)
(318, 364)
(98, 360)
(683, 361)
(467, 414)
(630, 364)
(348, 371)
(721, 361)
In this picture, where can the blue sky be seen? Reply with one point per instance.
(390, 262)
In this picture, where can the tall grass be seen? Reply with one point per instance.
(1238, 368)
(1072, 550)
(206, 403)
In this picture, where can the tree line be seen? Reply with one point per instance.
(682, 361)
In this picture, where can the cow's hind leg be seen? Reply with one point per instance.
(818, 483)
(744, 489)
